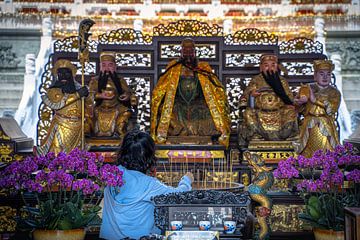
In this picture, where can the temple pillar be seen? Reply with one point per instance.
(319, 32)
(27, 113)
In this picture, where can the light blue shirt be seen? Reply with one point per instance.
(128, 211)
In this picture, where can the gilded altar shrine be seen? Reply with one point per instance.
(141, 61)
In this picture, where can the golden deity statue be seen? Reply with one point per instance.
(268, 101)
(189, 100)
(110, 101)
(319, 103)
(64, 97)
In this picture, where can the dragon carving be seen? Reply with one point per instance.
(262, 182)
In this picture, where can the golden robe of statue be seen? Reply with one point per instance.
(318, 130)
(269, 118)
(64, 133)
(64, 98)
(111, 115)
(178, 108)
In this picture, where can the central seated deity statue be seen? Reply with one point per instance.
(189, 100)
(268, 101)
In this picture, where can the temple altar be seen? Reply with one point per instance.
(235, 58)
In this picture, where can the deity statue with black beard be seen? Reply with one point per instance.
(189, 100)
(111, 101)
(64, 98)
(269, 113)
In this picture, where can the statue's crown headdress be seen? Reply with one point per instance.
(107, 56)
(323, 64)
(63, 63)
(268, 57)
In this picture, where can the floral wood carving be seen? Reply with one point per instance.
(125, 36)
(251, 36)
(188, 28)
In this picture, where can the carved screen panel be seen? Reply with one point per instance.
(90, 68)
(125, 36)
(284, 218)
(251, 36)
(299, 68)
(134, 59)
(242, 60)
(45, 113)
(141, 87)
(234, 89)
(70, 44)
(300, 46)
(203, 51)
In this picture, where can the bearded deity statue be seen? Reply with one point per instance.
(64, 97)
(319, 103)
(268, 102)
(189, 100)
(109, 106)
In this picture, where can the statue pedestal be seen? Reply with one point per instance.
(272, 151)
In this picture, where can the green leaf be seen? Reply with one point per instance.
(313, 212)
(65, 224)
(313, 200)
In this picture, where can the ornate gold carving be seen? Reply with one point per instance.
(187, 28)
(161, 153)
(6, 158)
(300, 45)
(5, 149)
(18, 157)
(245, 179)
(222, 177)
(45, 118)
(125, 36)
(7, 222)
(284, 218)
(281, 185)
(251, 36)
(3, 136)
(266, 145)
(45, 113)
(275, 156)
(272, 151)
(71, 44)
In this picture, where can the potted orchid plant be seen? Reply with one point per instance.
(67, 189)
(328, 182)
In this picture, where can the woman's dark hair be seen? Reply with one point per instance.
(137, 152)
